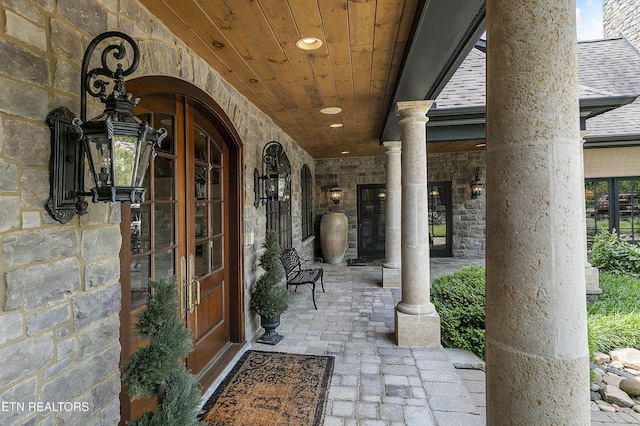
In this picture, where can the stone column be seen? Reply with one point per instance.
(416, 320)
(391, 276)
(536, 330)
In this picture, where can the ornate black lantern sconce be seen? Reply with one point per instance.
(476, 186)
(335, 194)
(118, 145)
(273, 182)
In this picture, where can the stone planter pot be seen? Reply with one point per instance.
(270, 323)
(333, 237)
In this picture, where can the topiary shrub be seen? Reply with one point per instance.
(269, 297)
(460, 301)
(611, 254)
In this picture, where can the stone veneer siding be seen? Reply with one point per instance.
(622, 16)
(459, 168)
(348, 173)
(468, 219)
(59, 287)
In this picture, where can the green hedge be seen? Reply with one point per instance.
(459, 299)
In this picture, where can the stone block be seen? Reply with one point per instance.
(94, 339)
(8, 175)
(92, 307)
(86, 15)
(67, 347)
(79, 380)
(33, 100)
(24, 30)
(35, 188)
(10, 326)
(27, 10)
(46, 284)
(417, 330)
(104, 392)
(391, 277)
(48, 318)
(26, 247)
(9, 213)
(25, 358)
(66, 42)
(22, 393)
(100, 273)
(30, 220)
(22, 63)
(30, 143)
(101, 242)
(66, 77)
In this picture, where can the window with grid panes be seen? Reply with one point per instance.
(307, 202)
(279, 212)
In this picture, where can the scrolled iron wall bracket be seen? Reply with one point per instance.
(116, 144)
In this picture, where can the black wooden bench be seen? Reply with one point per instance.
(296, 275)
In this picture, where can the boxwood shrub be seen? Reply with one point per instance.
(460, 301)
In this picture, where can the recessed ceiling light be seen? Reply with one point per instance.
(336, 125)
(481, 145)
(309, 43)
(331, 110)
(345, 152)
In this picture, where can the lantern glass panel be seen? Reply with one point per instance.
(100, 156)
(126, 157)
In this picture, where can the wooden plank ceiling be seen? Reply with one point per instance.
(252, 43)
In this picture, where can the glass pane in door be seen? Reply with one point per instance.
(371, 221)
(439, 204)
(629, 209)
(596, 194)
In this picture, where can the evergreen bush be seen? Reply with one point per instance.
(159, 362)
(269, 297)
(611, 254)
(460, 301)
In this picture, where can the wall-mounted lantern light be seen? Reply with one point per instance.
(336, 194)
(272, 183)
(476, 186)
(117, 145)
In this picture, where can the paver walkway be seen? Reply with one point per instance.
(375, 382)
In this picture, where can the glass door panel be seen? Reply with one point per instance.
(440, 217)
(371, 221)
(596, 194)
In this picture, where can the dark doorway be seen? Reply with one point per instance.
(440, 217)
(371, 211)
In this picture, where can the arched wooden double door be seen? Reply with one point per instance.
(188, 228)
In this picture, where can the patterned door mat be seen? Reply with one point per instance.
(272, 388)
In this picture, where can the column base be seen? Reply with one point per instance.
(592, 280)
(417, 330)
(391, 277)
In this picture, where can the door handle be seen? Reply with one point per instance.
(183, 286)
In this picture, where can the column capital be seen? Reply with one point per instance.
(413, 108)
(392, 145)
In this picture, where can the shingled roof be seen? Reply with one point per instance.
(606, 68)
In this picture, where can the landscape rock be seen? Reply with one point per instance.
(630, 386)
(603, 406)
(601, 358)
(617, 364)
(629, 357)
(614, 395)
(636, 408)
(612, 379)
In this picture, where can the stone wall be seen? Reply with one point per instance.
(458, 168)
(622, 16)
(348, 173)
(468, 214)
(59, 290)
